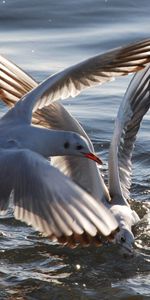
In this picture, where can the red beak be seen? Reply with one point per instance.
(93, 157)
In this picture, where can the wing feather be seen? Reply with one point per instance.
(93, 71)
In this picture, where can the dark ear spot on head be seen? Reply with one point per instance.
(79, 147)
(66, 145)
(123, 239)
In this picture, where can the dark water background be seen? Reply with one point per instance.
(44, 37)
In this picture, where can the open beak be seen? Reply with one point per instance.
(92, 156)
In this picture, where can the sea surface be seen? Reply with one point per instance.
(44, 37)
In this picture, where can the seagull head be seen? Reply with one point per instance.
(76, 145)
(125, 239)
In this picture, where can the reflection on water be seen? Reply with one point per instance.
(44, 37)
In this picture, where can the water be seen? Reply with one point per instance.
(44, 37)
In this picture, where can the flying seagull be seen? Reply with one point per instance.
(15, 83)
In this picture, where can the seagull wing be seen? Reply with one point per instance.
(135, 104)
(49, 201)
(91, 72)
(56, 117)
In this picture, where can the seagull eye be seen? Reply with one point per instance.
(123, 239)
(66, 145)
(79, 147)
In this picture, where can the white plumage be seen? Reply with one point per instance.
(15, 83)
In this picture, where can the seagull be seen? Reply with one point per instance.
(52, 115)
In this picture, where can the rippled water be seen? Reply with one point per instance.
(44, 37)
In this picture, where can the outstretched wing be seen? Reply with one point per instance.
(54, 116)
(91, 72)
(49, 201)
(135, 104)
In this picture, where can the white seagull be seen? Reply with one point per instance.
(28, 207)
